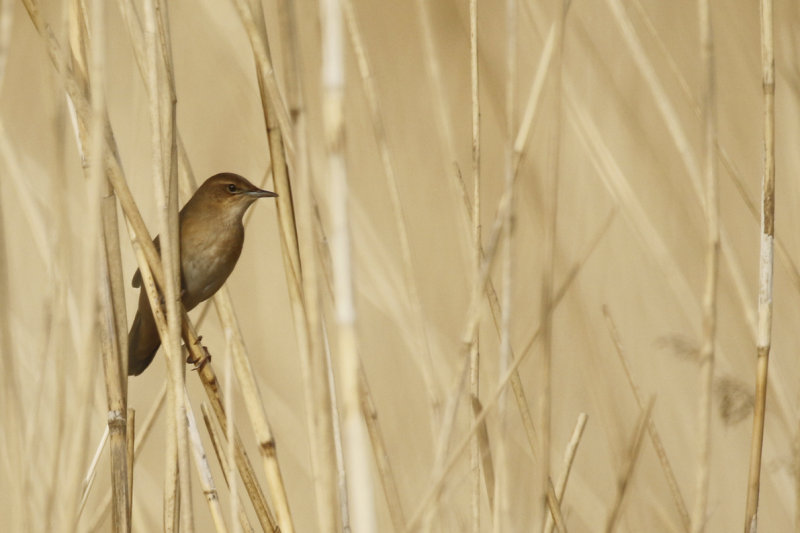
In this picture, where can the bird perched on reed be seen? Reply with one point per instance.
(211, 238)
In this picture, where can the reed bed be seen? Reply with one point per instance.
(517, 277)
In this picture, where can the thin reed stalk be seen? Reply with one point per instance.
(130, 433)
(216, 442)
(652, 430)
(550, 218)
(359, 480)
(162, 118)
(422, 350)
(204, 471)
(437, 484)
(569, 458)
(764, 337)
(630, 461)
(255, 410)
(712, 271)
(296, 242)
(477, 450)
(502, 487)
(141, 438)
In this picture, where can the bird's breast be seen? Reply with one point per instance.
(208, 255)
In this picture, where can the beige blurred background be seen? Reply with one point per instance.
(612, 132)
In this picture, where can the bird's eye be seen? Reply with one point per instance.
(231, 188)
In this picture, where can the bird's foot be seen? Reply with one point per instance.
(204, 361)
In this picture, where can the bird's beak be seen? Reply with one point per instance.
(261, 193)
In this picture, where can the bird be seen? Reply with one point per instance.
(211, 239)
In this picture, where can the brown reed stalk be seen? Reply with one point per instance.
(652, 430)
(480, 445)
(764, 338)
(626, 473)
(712, 271)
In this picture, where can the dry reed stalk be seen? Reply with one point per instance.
(631, 458)
(266, 445)
(480, 445)
(550, 217)
(569, 457)
(727, 162)
(6, 21)
(341, 473)
(652, 431)
(11, 408)
(437, 484)
(228, 428)
(85, 339)
(255, 409)
(143, 433)
(520, 142)
(130, 433)
(502, 507)
(301, 282)
(764, 338)
(359, 485)
(13, 439)
(201, 360)
(204, 470)
(161, 90)
(252, 18)
(444, 127)
(381, 456)
(216, 442)
(681, 139)
(712, 271)
(412, 295)
(110, 286)
(481, 440)
(91, 473)
(471, 324)
(117, 415)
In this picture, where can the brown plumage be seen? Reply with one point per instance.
(211, 238)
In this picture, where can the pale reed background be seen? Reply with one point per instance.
(219, 116)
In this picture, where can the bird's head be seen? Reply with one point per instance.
(227, 194)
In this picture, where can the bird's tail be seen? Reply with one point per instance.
(143, 343)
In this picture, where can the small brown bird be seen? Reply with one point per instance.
(211, 238)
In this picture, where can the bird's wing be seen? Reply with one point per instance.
(136, 282)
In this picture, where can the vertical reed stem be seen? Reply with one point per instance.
(764, 335)
(708, 115)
